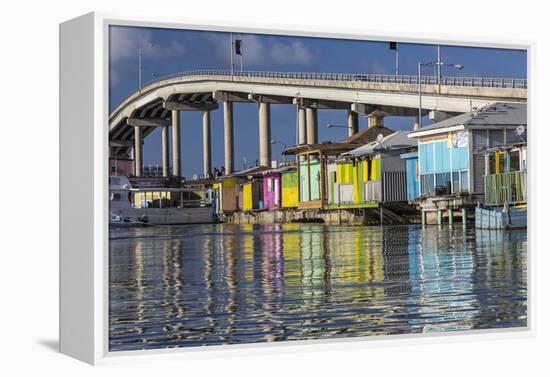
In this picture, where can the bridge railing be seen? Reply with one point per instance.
(481, 82)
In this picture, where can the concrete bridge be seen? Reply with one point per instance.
(158, 105)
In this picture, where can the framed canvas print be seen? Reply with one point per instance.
(225, 186)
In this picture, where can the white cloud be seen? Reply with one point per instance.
(377, 67)
(293, 53)
(124, 49)
(262, 52)
(114, 77)
(125, 43)
(253, 50)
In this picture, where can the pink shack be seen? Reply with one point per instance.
(273, 187)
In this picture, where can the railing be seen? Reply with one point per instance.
(505, 187)
(478, 82)
(394, 186)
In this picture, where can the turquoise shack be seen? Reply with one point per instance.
(452, 158)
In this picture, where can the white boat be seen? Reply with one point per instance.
(129, 206)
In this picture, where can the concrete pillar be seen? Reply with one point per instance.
(450, 215)
(439, 216)
(416, 125)
(311, 121)
(423, 214)
(302, 128)
(165, 159)
(206, 145)
(138, 152)
(176, 144)
(265, 134)
(464, 216)
(229, 156)
(353, 123)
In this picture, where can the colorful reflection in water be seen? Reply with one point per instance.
(226, 284)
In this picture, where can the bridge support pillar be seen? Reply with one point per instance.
(302, 129)
(165, 159)
(311, 120)
(353, 123)
(138, 152)
(176, 144)
(265, 133)
(229, 156)
(416, 124)
(206, 145)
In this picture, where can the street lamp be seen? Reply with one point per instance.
(140, 67)
(283, 144)
(437, 64)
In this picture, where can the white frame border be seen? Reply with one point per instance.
(101, 355)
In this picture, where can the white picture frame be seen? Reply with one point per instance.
(84, 79)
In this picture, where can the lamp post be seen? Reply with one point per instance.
(231, 55)
(140, 66)
(437, 64)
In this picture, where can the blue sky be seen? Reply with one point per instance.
(184, 50)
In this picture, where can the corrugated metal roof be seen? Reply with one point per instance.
(497, 114)
(397, 140)
(280, 169)
(367, 135)
(255, 170)
(362, 137)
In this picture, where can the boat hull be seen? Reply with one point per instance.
(169, 216)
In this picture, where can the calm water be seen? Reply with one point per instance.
(226, 284)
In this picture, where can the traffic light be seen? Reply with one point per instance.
(238, 47)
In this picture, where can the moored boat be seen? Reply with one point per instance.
(133, 206)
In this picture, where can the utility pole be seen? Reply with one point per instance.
(231, 50)
(438, 65)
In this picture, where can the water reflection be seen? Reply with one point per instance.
(227, 284)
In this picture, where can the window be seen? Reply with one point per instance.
(514, 161)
